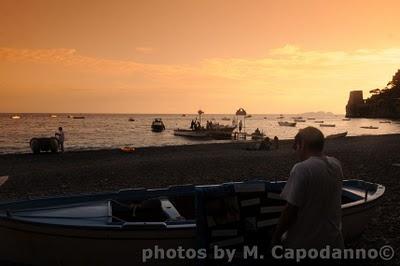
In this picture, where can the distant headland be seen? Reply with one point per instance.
(384, 103)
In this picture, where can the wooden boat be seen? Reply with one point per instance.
(327, 125)
(217, 131)
(157, 125)
(15, 117)
(100, 229)
(189, 133)
(370, 127)
(336, 136)
(287, 124)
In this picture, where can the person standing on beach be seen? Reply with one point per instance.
(60, 138)
(240, 126)
(312, 216)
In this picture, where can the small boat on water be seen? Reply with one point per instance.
(370, 127)
(15, 117)
(327, 125)
(337, 136)
(157, 125)
(216, 131)
(115, 228)
(310, 118)
(76, 117)
(225, 119)
(287, 124)
(385, 122)
(299, 120)
(53, 116)
(131, 120)
(297, 117)
(319, 121)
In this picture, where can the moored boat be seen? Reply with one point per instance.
(157, 125)
(336, 136)
(369, 127)
(131, 119)
(299, 120)
(101, 229)
(327, 125)
(287, 124)
(319, 121)
(15, 117)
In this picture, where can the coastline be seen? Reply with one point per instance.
(363, 157)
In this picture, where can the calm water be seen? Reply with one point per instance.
(99, 131)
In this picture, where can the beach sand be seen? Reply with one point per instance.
(367, 157)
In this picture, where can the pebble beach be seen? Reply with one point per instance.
(369, 158)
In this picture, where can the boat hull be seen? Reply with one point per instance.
(34, 243)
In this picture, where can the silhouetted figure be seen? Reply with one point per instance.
(192, 124)
(60, 138)
(240, 126)
(276, 143)
(265, 144)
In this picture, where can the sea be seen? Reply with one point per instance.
(108, 131)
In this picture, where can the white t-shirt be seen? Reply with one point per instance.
(315, 187)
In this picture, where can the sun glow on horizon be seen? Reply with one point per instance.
(148, 75)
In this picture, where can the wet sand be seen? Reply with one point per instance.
(367, 157)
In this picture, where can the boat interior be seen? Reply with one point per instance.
(173, 206)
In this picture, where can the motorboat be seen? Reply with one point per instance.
(287, 124)
(115, 228)
(337, 136)
(327, 125)
(214, 131)
(157, 125)
(53, 116)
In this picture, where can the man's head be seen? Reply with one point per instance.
(308, 142)
(60, 128)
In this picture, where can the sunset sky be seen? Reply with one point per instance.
(168, 56)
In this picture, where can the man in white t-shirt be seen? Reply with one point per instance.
(312, 217)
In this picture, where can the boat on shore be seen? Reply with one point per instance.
(327, 125)
(157, 125)
(257, 135)
(287, 124)
(370, 127)
(337, 136)
(101, 229)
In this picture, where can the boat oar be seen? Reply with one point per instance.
(3, 179)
